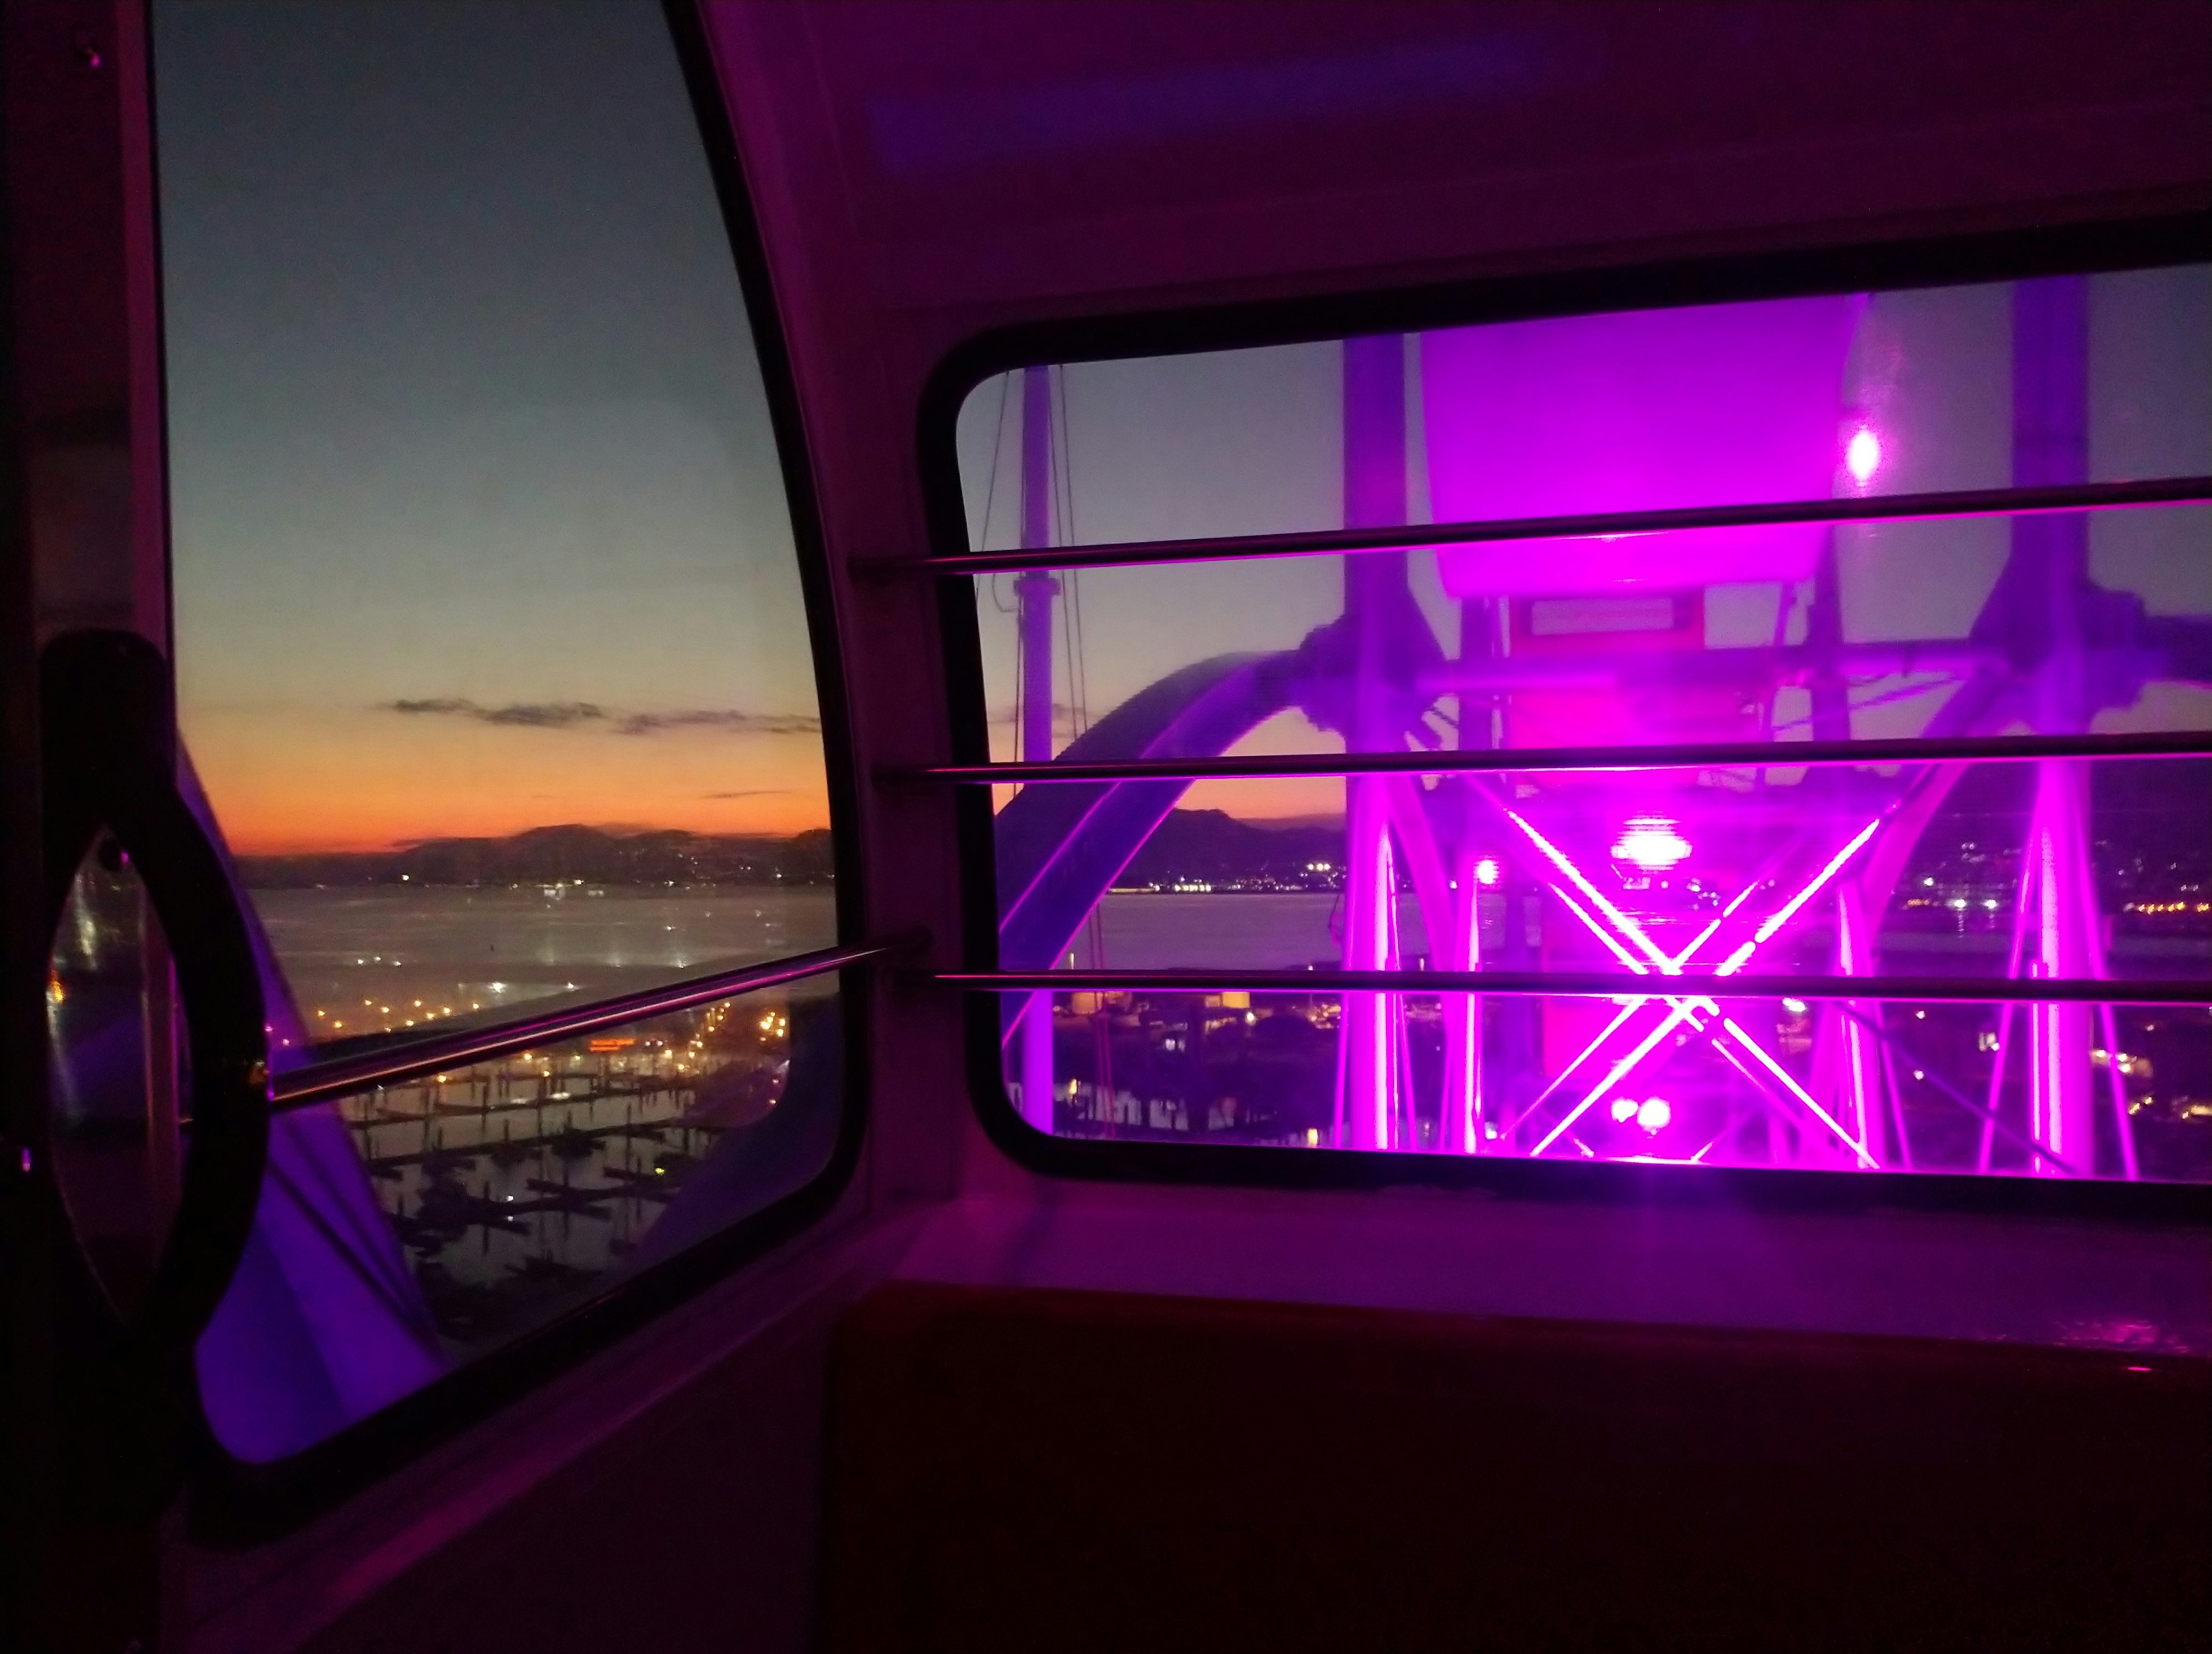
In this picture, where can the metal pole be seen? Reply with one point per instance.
(2050, 347)
(1034, 592)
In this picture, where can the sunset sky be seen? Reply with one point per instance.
(476, 520)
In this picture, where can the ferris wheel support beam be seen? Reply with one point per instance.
(1036, 592)
(2050, 593)
(2062, 1098)
(1378, 607)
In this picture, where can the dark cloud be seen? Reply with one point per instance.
(545, 715)
(716, 718)
(1062, 713)
(575, 714)
(750, 792)
(526, 714)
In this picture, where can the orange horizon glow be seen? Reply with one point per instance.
(299, 783)
(253, 835)
(257, 838)
(289, 784)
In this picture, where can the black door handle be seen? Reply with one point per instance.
(109, 759)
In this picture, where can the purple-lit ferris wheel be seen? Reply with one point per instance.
(1674, 875)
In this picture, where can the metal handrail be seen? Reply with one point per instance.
(1586, 984)
(1714, 754)
(318, 1083)
(1877, 508)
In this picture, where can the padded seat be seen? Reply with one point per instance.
(1040, 1471)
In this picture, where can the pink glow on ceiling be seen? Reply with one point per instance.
(1639, 411)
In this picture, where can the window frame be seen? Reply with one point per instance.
(236, 1503)
(2002, 256)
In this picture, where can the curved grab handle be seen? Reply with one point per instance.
(110, 764)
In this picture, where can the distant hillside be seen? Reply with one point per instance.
(1191, 844)
(1211, 846)
(543, 855)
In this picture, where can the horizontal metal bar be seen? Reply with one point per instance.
(1586, 985)
(318, 1083)
(1876, 508)
(1712, 754)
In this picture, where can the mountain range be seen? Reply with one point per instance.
(1212, 846)
(1190, 844)
(560, 854)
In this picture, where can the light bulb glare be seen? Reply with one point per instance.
(1862, 455)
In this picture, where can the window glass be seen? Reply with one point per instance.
(493, 674)
(491, 653)
(1734, 1087)
(2083, 622)
(1798, 399)
(499, 1194)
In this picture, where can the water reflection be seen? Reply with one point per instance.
(521, 1185)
